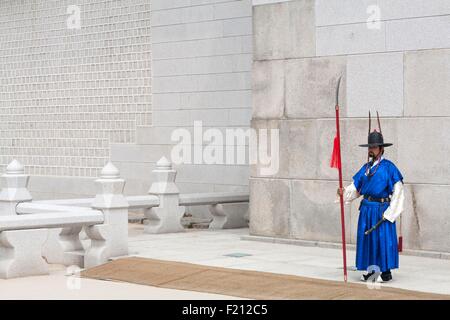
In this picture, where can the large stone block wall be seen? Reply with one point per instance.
(201, 71)
(401, 68)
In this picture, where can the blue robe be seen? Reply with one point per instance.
(380, 247)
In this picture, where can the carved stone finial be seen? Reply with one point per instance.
(15, 167)
(110, 171)
(163, 164)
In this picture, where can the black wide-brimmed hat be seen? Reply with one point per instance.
(375, 138)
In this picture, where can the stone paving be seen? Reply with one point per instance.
(211, 247)
(222, 248)
(58, 286)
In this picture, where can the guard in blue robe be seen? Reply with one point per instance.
(380, 183)
(379, 248)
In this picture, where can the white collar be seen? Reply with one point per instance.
(376, 162)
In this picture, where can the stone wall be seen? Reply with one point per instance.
(201, 71)
(68, 93)
(399, 66)
(117, 88)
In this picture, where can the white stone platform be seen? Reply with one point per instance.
(210, 247)
(58, 286)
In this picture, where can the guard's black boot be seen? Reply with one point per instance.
(385, 276)
(366, 276)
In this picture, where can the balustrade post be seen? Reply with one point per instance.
(167, 216)
(15, 190)
(229, 215)
(109, 239)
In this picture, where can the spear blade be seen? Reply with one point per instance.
(337, 91)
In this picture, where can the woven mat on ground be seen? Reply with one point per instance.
(240, 283)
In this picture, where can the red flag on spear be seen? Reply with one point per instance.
(336, 155)
(336, 163)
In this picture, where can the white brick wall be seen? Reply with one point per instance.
(66, 94)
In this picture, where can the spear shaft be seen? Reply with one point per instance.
(341, 196)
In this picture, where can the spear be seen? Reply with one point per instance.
(336, 163)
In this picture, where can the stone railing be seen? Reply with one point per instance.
(31, 231)
(50, 229)
(24, 237)
(164, 205)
